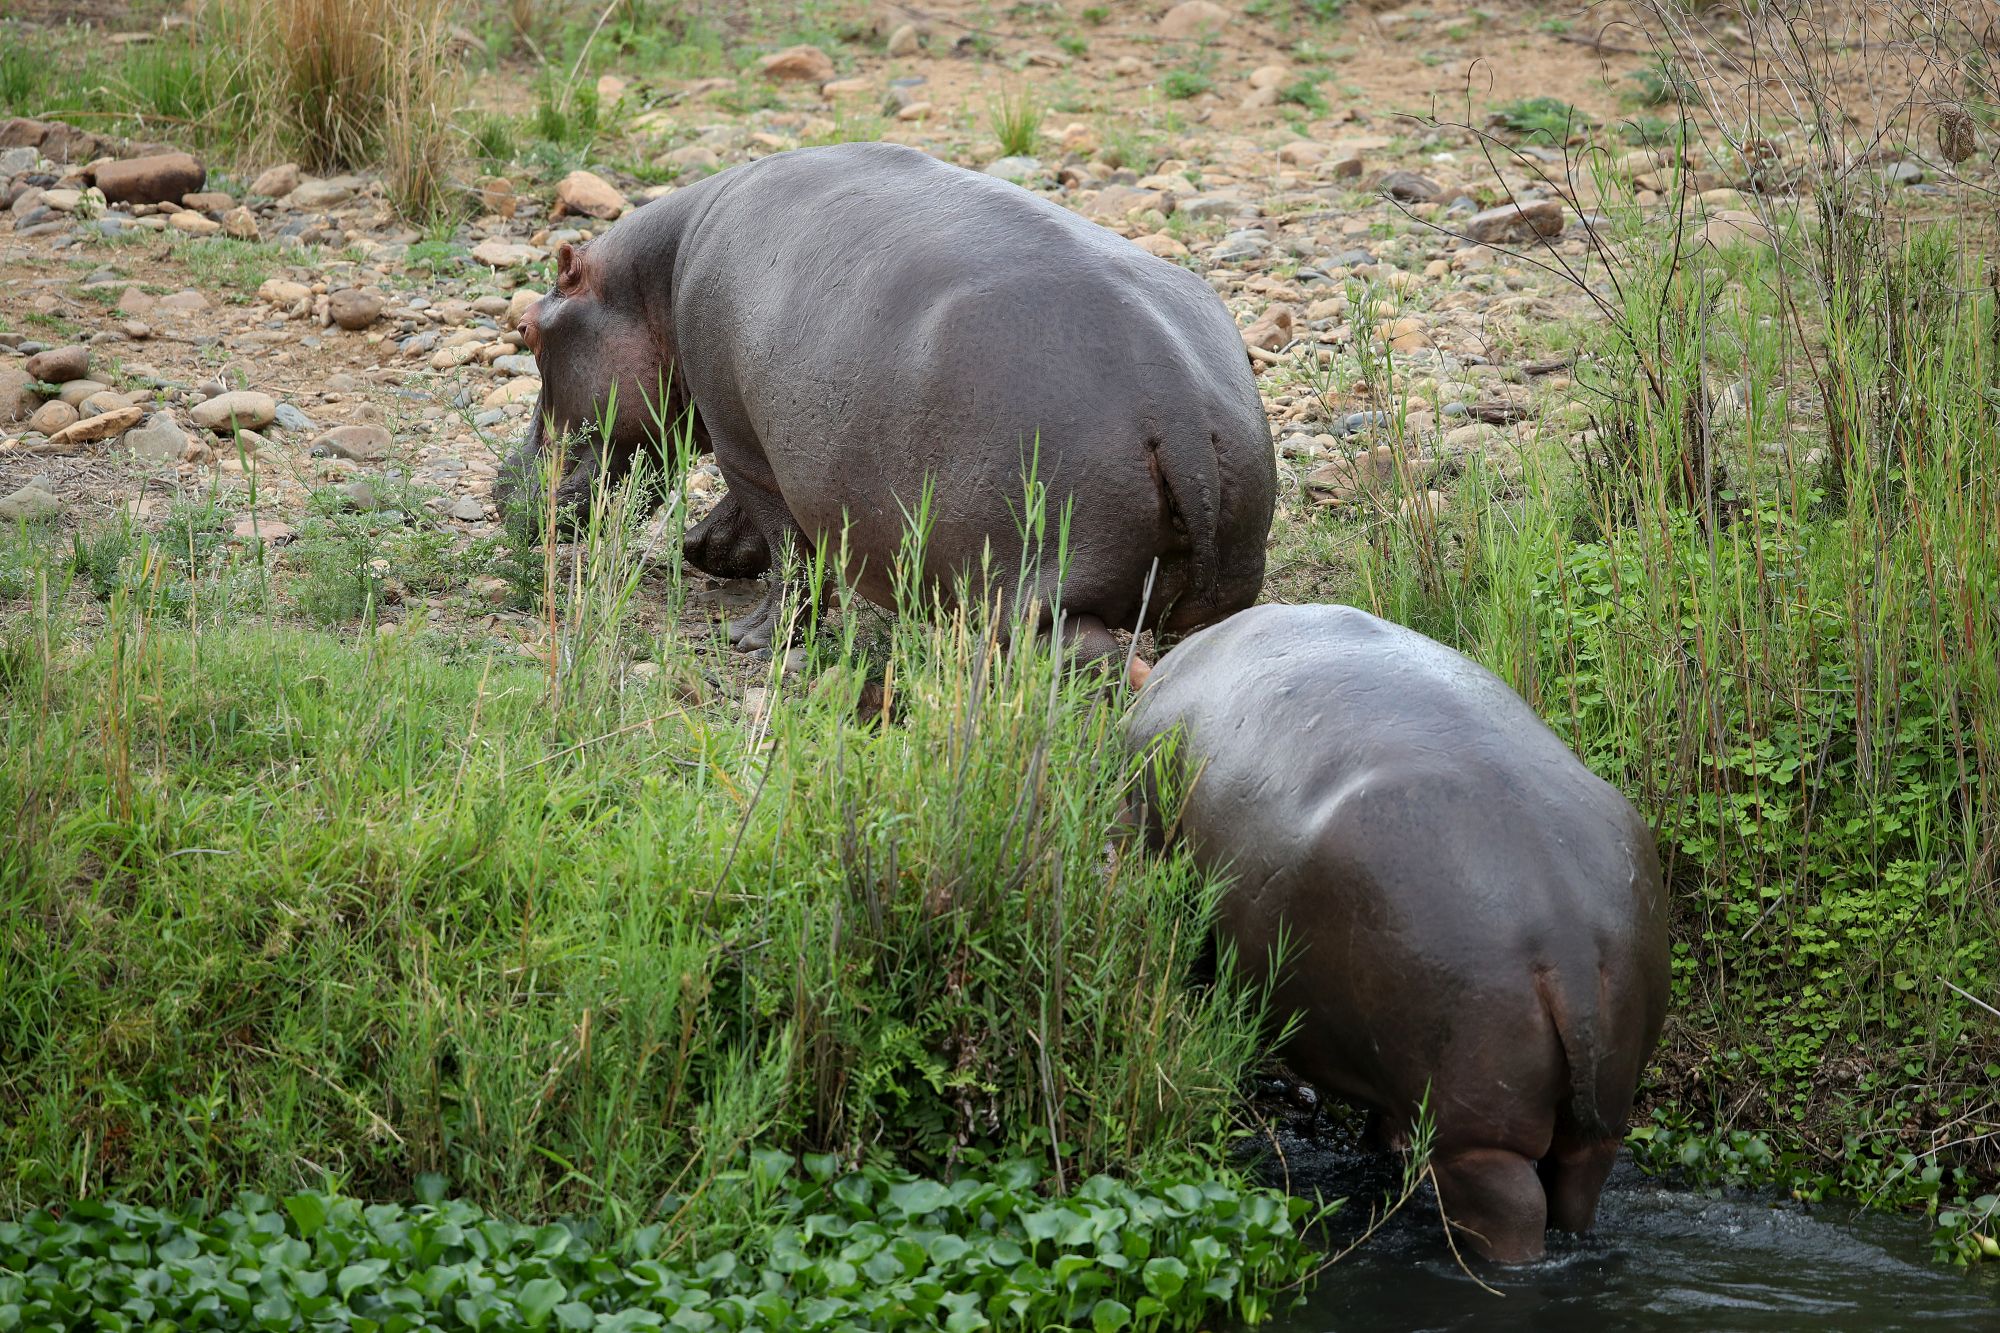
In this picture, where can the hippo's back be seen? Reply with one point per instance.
(874, 261)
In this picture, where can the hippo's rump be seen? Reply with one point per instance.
(1386, 802)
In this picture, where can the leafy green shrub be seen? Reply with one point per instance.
(1786, 656)
(837, 1250)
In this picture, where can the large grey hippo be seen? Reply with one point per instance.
(854, 324)
(1468, 912)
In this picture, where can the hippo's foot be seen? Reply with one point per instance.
(726, 543)
(757, 631)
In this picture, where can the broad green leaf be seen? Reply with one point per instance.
(538, 1300)
(308, 1212)
(1108, 1314)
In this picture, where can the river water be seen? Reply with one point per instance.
(1661, 1260)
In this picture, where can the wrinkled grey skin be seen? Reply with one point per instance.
(849, 321)
(1465, 905)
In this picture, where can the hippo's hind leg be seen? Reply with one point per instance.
(1573, 1173)
(1494, 1201)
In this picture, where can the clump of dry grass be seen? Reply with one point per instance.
(419, 142)
(355, 83)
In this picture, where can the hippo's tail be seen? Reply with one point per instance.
(1577, 1027)
(1190, 481)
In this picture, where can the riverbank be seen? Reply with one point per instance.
(336, 785)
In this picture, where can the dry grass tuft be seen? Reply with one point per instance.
(355, 83)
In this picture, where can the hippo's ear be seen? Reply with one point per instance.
(569, 268)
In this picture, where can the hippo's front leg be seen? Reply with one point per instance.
(763, 513)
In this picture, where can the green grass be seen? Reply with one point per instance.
(565, 114)
(238, 267)
(1304, 93)
(493, 139)
(1187, 81)
(1016, 120)
(747, 97)
(196, 91)
(324, 916)
(357, 911)
(1549, 119)
(24, 72)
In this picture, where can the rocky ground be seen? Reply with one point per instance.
(172, 329)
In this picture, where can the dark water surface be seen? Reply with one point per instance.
(1660, 1259)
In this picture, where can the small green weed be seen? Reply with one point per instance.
(1650, 131)
(194, 532)
(1187, 81)
(336, 560)
(1659, 85)
(1546, 118)
(99, 557)
(1304, 93)
(1016, 119)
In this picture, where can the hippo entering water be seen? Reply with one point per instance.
(1468, 914)
(854, 324)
